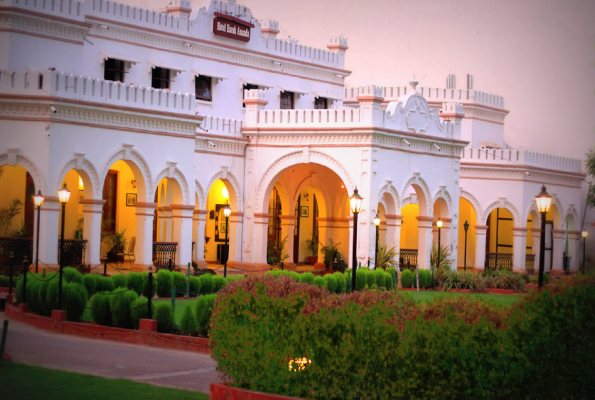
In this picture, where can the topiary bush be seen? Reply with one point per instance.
(361, 279)
(393, 273)
(388, 281)
(179, 281)
(407, 278)
(164, 281)
(207, 283)
(319, 281)
(272, 274)
(341, 282)
(423, 278)
(100, 309)
(44, 306)
(189, 325)
(379, 278)
(164, 314)
(120, 304)
(134, 281)
(307, 277)
(72, 275)
(146, 285)
(4, 281)
(330, 282)
(195, 286)
(74, 300)
(32, 298)
(119, 280)
(20, 284)
(139, 309)
(219, 283)
(90, 282)
(51, 295)
(104, 284)
(204, 309)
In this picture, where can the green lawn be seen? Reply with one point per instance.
(500, 300)
(19, 381)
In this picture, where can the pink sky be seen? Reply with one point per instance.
(538, 54)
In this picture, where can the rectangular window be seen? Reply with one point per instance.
(110, 192)
(114, 70)
(286, 101)
(202, 86)
(160, 78)
(320, 103)
(248, 86)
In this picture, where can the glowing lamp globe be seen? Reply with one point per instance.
(38, 199)
(585, 233)
(439, 223)
(377, 220)
(225, 193)
(356, 202)
(64, 194)
(227, 210)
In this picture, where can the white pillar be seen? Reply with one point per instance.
(536, 235)
(424, 245)
(480, 250)
(182, 232)
(519, 249)
(393, 234)
(261, 226)
(49, 231)
(235, 237)
(574, 248)
(558, 250)
(145, 213)
(92, 212)
(166, 230)
(199, 221)
(288, 230)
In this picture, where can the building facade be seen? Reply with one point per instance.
(156, 119)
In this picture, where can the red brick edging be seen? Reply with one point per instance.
(220, 391)
(147, 337)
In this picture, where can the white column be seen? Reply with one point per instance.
(558, 250)
(261, 226)
(393, 234)
(536, 236)
(424, 245)
(167, 231)
(519, 249)
(574, 248)
(199, 221)
(49, 231)
(182, 232)
(92, 212)
(235, 236)
(143, 253)
(288, 230)
(480, 250)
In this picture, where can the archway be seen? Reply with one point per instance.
(409, 240)
(467, 214)
(441, 236)
(416, 191)
(499, 239)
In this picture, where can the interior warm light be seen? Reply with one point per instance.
(543, 200)
(38, 199)
(377, 220)
(439, 223)
(356, 202)
(585, 233)
(225, 193)
(299, 364)
(64, 194)
(227, 210)
(81, 185)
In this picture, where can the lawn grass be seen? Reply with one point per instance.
(499, 300)
(19, 381)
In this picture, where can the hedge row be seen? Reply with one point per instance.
(379, 344)
(409, 279)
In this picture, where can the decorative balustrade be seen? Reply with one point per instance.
(74, 252)
(71, 9)
(308, 117)
(19, 247)
(408, 259)
(221, 126)
(164, 254)
(530, 262)
(498, 261)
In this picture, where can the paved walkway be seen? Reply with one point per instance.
(171, 368)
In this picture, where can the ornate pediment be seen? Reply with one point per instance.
(413, 114)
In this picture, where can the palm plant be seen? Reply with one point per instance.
(8, 213)
(443, 254)
(276, 253)
(385, 257)
(330, 253)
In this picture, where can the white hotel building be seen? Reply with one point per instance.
(149, 115)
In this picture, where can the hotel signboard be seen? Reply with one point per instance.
(231, 27)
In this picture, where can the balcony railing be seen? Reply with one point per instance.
(498, 261)
(74, 252)
(164, 254)
(530, 262)
(408, 259)
(19, 247)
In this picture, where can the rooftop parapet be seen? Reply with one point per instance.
(82, 88)
(338, 44)
(269, 28)
(71, 9)
(520, 158)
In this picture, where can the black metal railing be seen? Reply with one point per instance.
(498, 261)
(164, 254)
(20, 247)
(408, 259)
(530, 262)
(566, 262)
(74, 252)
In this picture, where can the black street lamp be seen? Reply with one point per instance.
(439, 225)
(227, 212)
(544, 201)
(63, 195)
(356, 205)
(38, 200)
(584, 233)
(466, 226)
(377, 223)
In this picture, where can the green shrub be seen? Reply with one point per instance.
(180, 282)
(139, 309)
(189, 325)
(393, 273)
(4, 281)
(74, 300)
(207, 283)
(104, 284)
(164, 282)
(234, 278)
(195, 286)
(204, 309)
(272, 274)
(32, 297)
(20, 285)
(341, 282)
(425, 278)
(44, 306)
(146, 285)
(72, 275)
(294, 275)
(361, 278)
(307, 277)
(119, 280)
(330, 282)
(319, 281)
(219, 283)
(379, 278)
(51, 295)
(388, 281)
(134, 281)
(407, 279)
(90, 282)
(164, 314)
(120, 304)
(100, 308)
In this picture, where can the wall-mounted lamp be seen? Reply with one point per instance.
(436, 146)
(306, 196)
(133, 183)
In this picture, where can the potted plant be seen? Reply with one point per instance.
(312, 247)
(118, 243)
(276, 254)
(385, 257)
(331, 254)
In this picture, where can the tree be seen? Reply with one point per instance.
(590, 170)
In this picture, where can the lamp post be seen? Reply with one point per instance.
(356, 204)
(584, 233)
(544, 201)
(63, 195)
(227, 212)
(377, 223)
(439, 225)
(466, 226)
(38, 200)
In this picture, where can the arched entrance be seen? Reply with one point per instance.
(417, 224)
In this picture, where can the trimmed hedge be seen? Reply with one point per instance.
(119, 280)
(330, 282)
(407, 279)
(139, 309)
(134, 281)
(120, 304)
(307, 277)
(361, 278)
(319, 281)
(164, 282)
(74, 300)
(164, 314)
(189, 325)
(104, 284)
(204, 309)
(207, 283)
(90, 282)
(379, 278)
(71, 275)
(100, 309)
(195, 286)
(179, 281)
(146, 285)
(341, 282)
(51, 294)
(219, 282)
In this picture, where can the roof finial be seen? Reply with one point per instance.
(414, 83)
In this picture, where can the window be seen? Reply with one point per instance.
(202, 86)
(320, 103)
(286, 101)
(160, 78)
(248, 86)
(114, 70)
